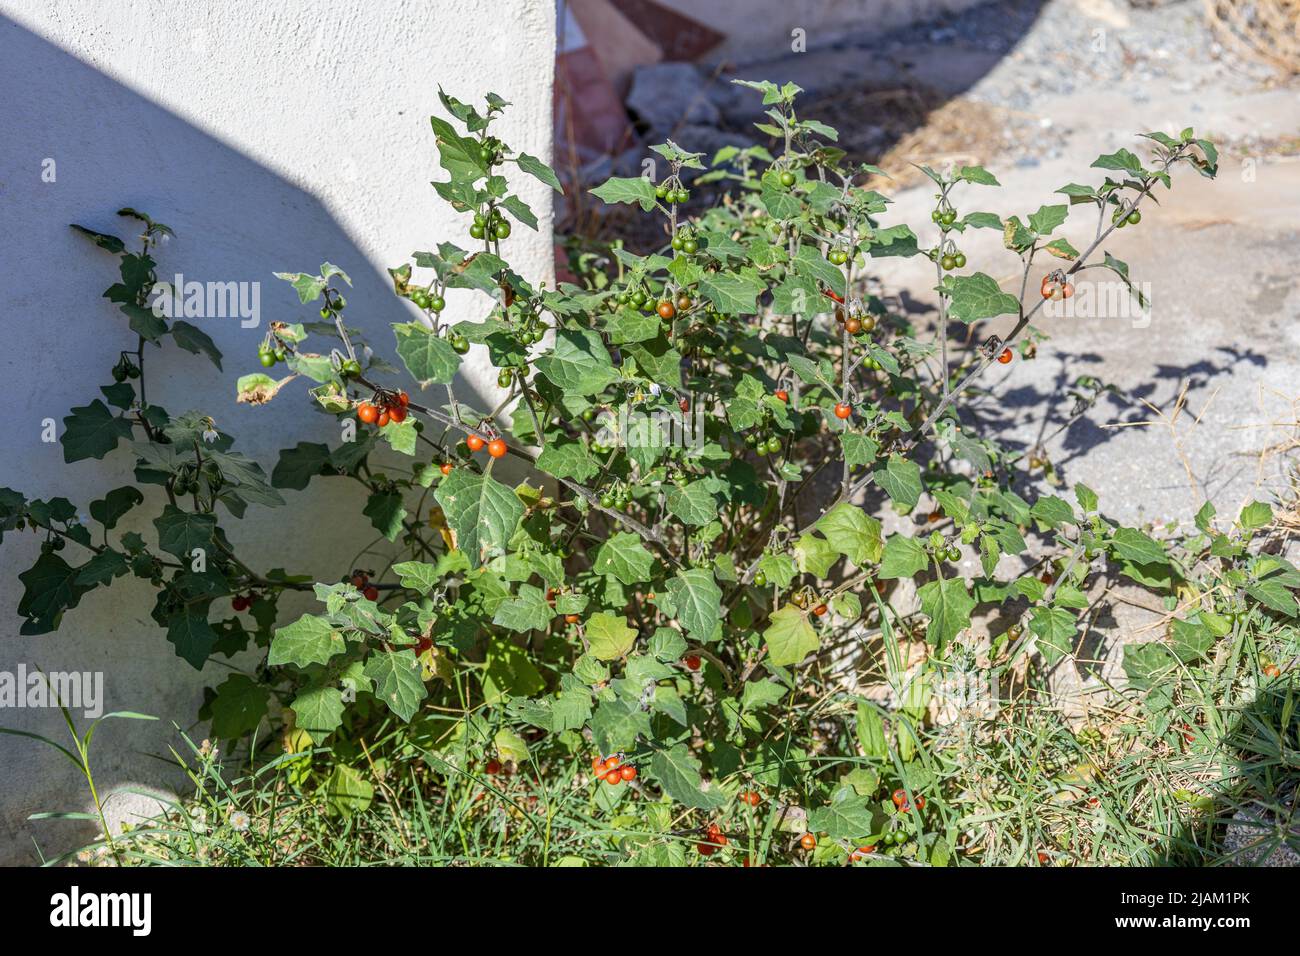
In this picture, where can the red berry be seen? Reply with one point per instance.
(397, 414)
(367, 413)
(693, 662)
(611, 763)
(614, 777)
(684, 404)
(383, 419)
(359, 579)
(475, 443)
(571, 619)
(493, 766)
(403, 399)
(900, 797)
(1005, 356)
(808, 841)
(371, 593)
(1272, 670)
(445, 468)
(667, 310)
(239, 603)
(598, 763)
(496, 448)
(782, 394)
(627, 772)
(705, 849)
(843, 411)
(819, 610)
(1043, 858)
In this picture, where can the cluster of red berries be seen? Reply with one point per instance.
(612, 770)
(714, 840)
(361, 581)
(385, 407)
(496, 447)
(861, 852)
(901, 802)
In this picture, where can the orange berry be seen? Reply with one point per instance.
(496, 448)
(1272, 670)
(613, 778)
(808, 841)
(782, 394)
(627, 772)
(383, 418)
(475, 443)
(367, 413)
(819, 610)
(611, 763)
(445, 468)
(666, 309)
(843, 410)
(1005, 356)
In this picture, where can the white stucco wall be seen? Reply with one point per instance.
(271, 135)
(761, 29)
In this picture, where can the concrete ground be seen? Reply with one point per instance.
(1215, 255)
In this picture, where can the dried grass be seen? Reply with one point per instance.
(1267, 30)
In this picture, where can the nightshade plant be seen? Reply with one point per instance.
(655, 610)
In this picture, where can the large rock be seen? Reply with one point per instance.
(666, 94)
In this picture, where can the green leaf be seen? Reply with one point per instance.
(678, 774)
(901, 479)
(180, 532)
(1256, 515)
(418, 575)
(92, 431)
(308, 640)
(1122, 160)
(386, 513)
(579, 363)
(298, 465)
(1132, 545)
(346, 791)
(238, 708)
(539, 170)
(977, 297)
(904, 558)
(1055, 629)
(51, 588)
(852, 532)
(1048, 218)
(698, 601)
(428, 356)
(396, 675)
(978, 175)
(192, 636)
(527, 611)
(636, 189)
(481, 512)
(103, 567)
(114, 505)
(789, 636)
(609, 636)
(947, 603)
(194, 340)
(733, 293)
(625, 558)
(693, 504)
(845, 820)
(318, 711)
(814, 555)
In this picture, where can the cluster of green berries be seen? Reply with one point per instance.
(490, 151)
(672, 194)
(125, 369)
(1132, 219)
(942, 549)
(492, 225)
(618, 496)
(269, 354)
(837, 256)
(427, 300)
(684, 241)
